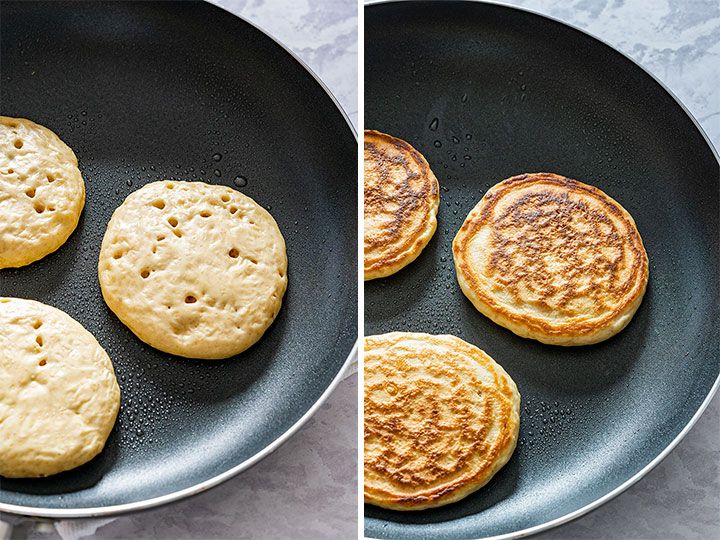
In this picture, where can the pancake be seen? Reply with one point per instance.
(193, 269)
(552, 259)
(400, 204)
(58, 395)
(42, 192)
(441, 418)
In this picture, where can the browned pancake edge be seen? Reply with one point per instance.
(402, 240)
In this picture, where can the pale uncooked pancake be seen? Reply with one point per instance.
(441, 418)
(58, 395)
(41, 192)
(552, 259)
(400, 204)
(193, 269)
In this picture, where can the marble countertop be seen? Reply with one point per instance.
(308, 487)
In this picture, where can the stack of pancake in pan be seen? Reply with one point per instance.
(547, 257)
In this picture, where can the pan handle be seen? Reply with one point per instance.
(5, 530)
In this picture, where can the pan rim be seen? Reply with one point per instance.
(112, 510)
(713, 390)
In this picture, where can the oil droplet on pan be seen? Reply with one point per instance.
(434, 124)
(240, 181)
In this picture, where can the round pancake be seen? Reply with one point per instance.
(193, 269)
(441, 418)
(41, 192)
(58, 395)
(400, 204)
(552, 259)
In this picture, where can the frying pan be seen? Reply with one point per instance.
(144, 91)
(486, 92)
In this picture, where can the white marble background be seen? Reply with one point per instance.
(307, 489)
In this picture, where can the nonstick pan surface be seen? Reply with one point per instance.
(144, 91)
(486, 92)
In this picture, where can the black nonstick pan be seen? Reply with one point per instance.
(486, 92)
(144, 91)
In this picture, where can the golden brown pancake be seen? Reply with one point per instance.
(401, 202)
(441, 418)
(552, 259)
